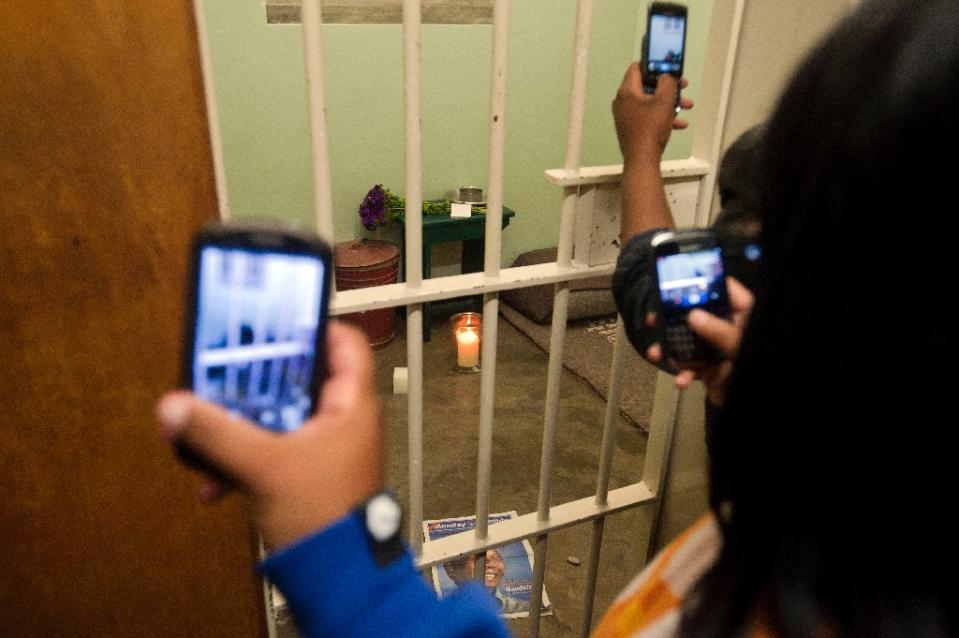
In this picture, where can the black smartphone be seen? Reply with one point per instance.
(256, 323)
(689, 274)
(664, 45)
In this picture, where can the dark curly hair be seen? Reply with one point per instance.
(835, 444)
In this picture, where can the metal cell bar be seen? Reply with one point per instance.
(313, 58)
(562, 516)
(212, 115)
(271, 611)
(612, 412)
(709, 183)
(666, 409)
(414, 403)
(605, 470)
(485, 450)
(592, 572)
(574, 143)
(392, 295)
(577, 102)
(487, 397)
(414, 266)
(592, 175)
(557, 341)
(414, 172)
(497, 124)
(494, 219)
(555, 371)
(659, 447)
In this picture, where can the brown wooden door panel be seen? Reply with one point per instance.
(105, 171)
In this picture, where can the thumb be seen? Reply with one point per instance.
(718, 332)
(235, 447)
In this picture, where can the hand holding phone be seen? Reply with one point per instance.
(256, 322)
(664, 45)
(297, 483)
(255, 331)
(689, 275)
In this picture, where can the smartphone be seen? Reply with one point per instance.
(257, 322)
(689, 274)
(664, 45)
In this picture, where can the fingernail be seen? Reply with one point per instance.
(696, 318)
(173, 413)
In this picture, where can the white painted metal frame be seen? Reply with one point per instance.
(690, 180)
(557, 339)
(491, 269)
(415, 291)
(212, 113)
(414, 267)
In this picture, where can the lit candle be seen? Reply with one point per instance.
(467, 348)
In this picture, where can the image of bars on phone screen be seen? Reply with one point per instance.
(256, 334)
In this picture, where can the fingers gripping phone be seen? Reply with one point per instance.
(689, 274)
(256, 322)
(664, 45)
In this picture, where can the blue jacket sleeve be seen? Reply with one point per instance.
(334, 587)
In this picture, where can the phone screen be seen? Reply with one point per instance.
(667, 35)
(254, 349)
(691, 280)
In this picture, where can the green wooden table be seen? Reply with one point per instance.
(443, 229)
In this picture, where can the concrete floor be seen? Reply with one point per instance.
(451, 419)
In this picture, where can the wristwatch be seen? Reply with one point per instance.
(382, 519)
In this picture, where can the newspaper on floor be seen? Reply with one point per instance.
(509, 568)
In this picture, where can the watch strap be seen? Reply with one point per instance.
(381, 518)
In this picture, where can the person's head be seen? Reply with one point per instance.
(494, 569)
(463, 570)
(835, 438)
(460, 571)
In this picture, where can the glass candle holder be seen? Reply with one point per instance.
(467, 333)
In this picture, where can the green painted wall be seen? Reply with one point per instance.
(261, 96)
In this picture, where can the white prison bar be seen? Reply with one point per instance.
(561, 516)
(719, 128)
(414, 265)
(414, 177)
(392, 295)
(492, 255)
(574, 143)
(484, 470)
(312, 19)
(605, 470)
(497, 124)
(312, 23)
(612, 412)
(670, 169)
(212, 112)
(659, 445)
(414, 408)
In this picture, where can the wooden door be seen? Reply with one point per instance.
(105, 171)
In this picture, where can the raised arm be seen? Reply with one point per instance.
(304, 491)
(643, 126)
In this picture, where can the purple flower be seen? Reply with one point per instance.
(373, 208)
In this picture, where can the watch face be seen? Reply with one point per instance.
(383, 517)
